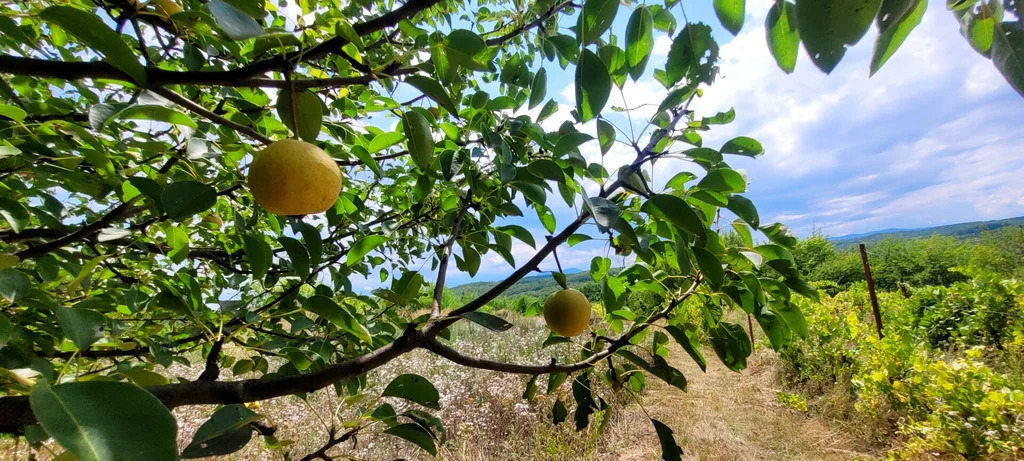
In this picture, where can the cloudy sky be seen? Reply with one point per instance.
(933, 138)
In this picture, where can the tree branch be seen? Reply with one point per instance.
(446, 252)
(200, 110)
(525, 27)
(432, 344)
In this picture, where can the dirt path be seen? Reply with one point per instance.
(735, 416)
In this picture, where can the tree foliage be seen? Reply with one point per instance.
(132, 242)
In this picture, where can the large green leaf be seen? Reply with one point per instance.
(605, 135)
(488, 321)
(1008, 53)
(106, 420)
(782, 34)
(82, 326)
(639, 40)
(538, 88)
(306, 109)
(362, 247)
(435, 91)
(670, 450)
(414, 388)
(828, 26)
(258, 255)
(187, 198)
(419, 139)
(16, 215)
(731, 344)
(892, 36)
(297, 255)
(731, 13)
(691, 56)
(674, 210)
(14, 284)
(710, 266)
(326, 307)
(467, 49)
(416, 434)
(227, 431)
(236, 23)
(95, 34)
(593, 85)
(596, 18)
(689, 344)
(155, 113)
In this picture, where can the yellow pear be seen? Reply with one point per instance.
(294, 178)
(167, 8)
(567, 312)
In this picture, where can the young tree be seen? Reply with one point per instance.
(133, 239)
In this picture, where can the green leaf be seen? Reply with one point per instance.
(689, 344)
(775, 329)
(435, 91)
(94, 33)
(414, 388)
(731, 344)
(16, 215)
(155, 113)
(531, 389)
(14, 285)
(828, 26)
(520, 233)
(742, 145)
(576, 239)
(548, 110)
(725, 180)
(639, 41)
(674, 210)
(297, 255)
(744, 208)
(467, 49)
(105, 420)
(593, 84)
(547, 169)
(584, 398)
(415, 434)
(779, 233)
(731, 13)
(893, 36)
(82, 326)
(187, 198)
(488, 321)
(12, 112)
(606, 213)
(308, 112)
(560, 279)
(539, 87)
(326, 307)
(794, 318)
(314, 243)
(569, 141)
(710, 266)
(559, 412)
(595, 19)
(670, 450)
(605, 135)
(419, 139)
(686, 56)
(236, 23)
(227, 431)
(258, 254)
(1008, 54)
(362, 247)
(384, 140)
(782, 34)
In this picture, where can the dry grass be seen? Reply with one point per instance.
(724, 416)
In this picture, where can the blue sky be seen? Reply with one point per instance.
(933, 138)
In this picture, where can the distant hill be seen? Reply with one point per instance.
(961, 230)
(538, 286)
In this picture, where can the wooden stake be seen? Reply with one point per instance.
(871, 289)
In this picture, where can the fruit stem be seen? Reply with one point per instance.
(554, 251)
